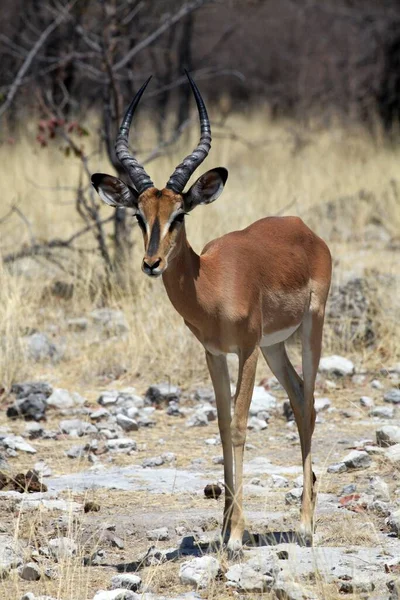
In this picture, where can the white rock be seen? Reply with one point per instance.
(392, 396)
(376, 384)
(261, 401)
(245, 578)
(321, 404)
(277, 481)
(199, 572)
(367, 402)
(336, 365)
(61, 398)
(379, 488)
(256, 424)
(126, 423)
(382, 412)
(393, 455)
(63, 547)
(16, 442)
(121, 444)
(388, 435)
(160, 534)
(127, 581)
(10, 554)
(293, 496)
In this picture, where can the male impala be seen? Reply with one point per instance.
(248, 290)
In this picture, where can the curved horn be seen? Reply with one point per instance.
(182, 173)
(136, 172)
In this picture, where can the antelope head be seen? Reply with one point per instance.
(161, 212)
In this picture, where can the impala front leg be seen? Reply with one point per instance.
(244, 392)
(218, 368)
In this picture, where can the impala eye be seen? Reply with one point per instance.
(177, 221)
(141, 222)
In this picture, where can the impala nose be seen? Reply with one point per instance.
(150, 264)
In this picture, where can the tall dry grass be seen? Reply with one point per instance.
(285, 169)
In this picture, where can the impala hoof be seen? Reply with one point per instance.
(304, 536)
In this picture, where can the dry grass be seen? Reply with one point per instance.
(297, 172)
(301, 170)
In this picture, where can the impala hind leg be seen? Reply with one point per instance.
(311, 335)
(218, 368)
(282, 368)
(244, 392)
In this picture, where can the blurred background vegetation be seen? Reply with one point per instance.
(304, 100)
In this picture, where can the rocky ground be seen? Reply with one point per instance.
(103, 497)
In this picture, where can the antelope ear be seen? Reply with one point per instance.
(114, 192)
(206, 189)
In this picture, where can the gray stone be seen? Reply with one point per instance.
(62, 548)
(198, 419)
(393, 522)
(16, 442)
(121, 444)
(110, 321)
(174, 410)
(162, 393)
(100, 413)
(337, 366)
(40, 348)
(367, 402)
(160, 535)
(357, 459)
(168, 457)
(245, 578)
(205, 394)
(376, 384)
(29, 572)
(392, 396)
(218, 460)
(32, 407)
(388, 435)
(125, 398)
(28, 388)
(127, 581)
(393, 455)
(154, 461)
(126, 423)
(380, 508)
(62, 399)
(98, 558)
(261, 401)
(382, 412)
(77, 427)
(337, 468)
(293, 496)
(199, 572)
(10, 554)
(76, 452)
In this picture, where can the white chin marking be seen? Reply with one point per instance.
(270, 339)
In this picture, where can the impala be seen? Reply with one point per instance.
(249, 290)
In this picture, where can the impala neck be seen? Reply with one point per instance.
(182, 277)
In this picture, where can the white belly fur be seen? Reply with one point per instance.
(278, 336)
